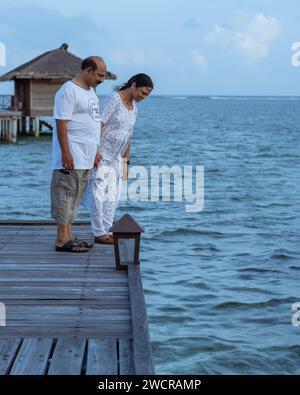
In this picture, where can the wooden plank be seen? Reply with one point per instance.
(85, 327)
(106, 332)
(42, 263)
(32, 357)
(55, 275)
(52, 289)
(57, 281)
(62, 286)
(126, 358)
(8, 350)
(51, 254)
(106, 302)
(62, 276)
(102, 358)
(59, 310)
(66, 294)
(67, 320)
(32, 223)
(38, 251)
(54, 258)
(143, 364)
(67, 357)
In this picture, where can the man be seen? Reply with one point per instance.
(76, 137)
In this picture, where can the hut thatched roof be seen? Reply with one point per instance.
(59, 63)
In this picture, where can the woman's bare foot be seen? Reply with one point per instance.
(105, 239)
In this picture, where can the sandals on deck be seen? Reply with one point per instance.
(83, 243)
(72, 246)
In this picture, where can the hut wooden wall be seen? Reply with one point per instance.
(42, 96)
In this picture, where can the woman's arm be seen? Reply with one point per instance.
(126, 162)
(127, 152)
(98, 157)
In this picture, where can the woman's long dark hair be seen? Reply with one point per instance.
(139, 79)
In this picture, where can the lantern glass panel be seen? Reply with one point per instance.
(126, 250)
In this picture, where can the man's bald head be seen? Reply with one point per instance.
(92, 62)
(93, 70)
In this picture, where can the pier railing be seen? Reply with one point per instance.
(7, 102)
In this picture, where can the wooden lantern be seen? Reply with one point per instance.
(127, 237)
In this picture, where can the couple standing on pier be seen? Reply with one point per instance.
(89, 149)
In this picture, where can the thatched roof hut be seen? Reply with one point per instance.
(37, 80)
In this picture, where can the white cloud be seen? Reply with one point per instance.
(252, 43)
(252, 49)
(139, 57)
(219, 35)
(121, 58)
(264, 28)
(198, 58)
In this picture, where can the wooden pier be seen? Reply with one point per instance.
(68, 313)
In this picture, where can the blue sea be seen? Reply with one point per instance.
(220, 283)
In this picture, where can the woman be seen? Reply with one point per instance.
(118, 117)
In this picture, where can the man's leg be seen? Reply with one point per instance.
(69, 231)
(62, 207)
(82, 179)
(63, 235)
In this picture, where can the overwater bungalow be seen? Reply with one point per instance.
(35, 84)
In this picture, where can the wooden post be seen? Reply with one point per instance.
(6, 129)
(23, 124)
(9, 130)
(37, 127)
(14, 131)
(1, 129)
(30, 125)
(19, 129)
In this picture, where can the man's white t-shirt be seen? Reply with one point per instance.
(80, 107)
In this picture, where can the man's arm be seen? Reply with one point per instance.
(62, 135)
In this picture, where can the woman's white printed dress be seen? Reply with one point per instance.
(103, 190)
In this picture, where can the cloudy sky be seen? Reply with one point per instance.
(215, 47)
